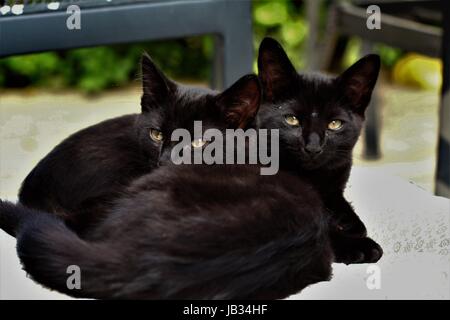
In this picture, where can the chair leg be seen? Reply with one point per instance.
(217, 74)
(443, 156)
(313, 7)
(334, 43)
(233, 56)
(334, 63)
(372, 125)
(372, 130)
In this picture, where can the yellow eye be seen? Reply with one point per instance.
(335, 125)
(198, 143)
(156, 135)
(292, 120)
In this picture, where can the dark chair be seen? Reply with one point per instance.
(120, 21)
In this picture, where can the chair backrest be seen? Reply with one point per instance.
(11, 7)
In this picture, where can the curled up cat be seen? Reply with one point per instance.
(320, 119)
(85, 172)
(109, 200)
(188, 231)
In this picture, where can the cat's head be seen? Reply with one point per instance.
(167, 106)
(319, 117)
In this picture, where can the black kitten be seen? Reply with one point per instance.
(189, 231)
(90, 168)
(320, 120)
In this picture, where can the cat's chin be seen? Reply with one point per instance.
(311, 164)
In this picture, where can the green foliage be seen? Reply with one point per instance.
(285, 21)
(270, 14)
(389, 55)
(92, 70)
(352, 52)
(95, 69)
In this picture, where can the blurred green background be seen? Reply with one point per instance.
(92, 70)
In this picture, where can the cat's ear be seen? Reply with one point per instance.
(358, 81)
(157, 88)
(275, 70)
(240, 103)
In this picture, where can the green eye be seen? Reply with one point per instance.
(156, 135)
(198, 143)
(335, 125)
(292, 120)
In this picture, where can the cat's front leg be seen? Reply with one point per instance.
(344, 219)
(348, 234)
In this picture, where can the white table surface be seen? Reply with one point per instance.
(412, 226)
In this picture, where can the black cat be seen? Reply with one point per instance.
(189, 231)
(85, 171)
(320, 120)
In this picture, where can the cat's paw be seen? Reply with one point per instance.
(357, 250)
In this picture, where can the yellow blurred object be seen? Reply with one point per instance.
(420, 71)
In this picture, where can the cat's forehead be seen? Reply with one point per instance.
(190, 105)
(191, 92)
(182, 108)
(315, 88)
(315, 94)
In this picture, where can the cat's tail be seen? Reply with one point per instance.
(54, 255)
(12, 216)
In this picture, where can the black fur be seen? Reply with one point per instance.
(177, 235)
(85, 172)
(190, 231)
(321, 156)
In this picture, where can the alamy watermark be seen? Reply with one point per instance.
(373, 281)
(373, 21)
(74, 280)
(73, 21)
(235, 146)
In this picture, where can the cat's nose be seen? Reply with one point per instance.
(313, 150)
(313, 146)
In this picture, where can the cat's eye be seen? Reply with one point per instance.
(156, 135)
(198, 143)
(335, 125)
(291, 120)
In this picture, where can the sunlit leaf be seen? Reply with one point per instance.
(294, 32)
(271, 13)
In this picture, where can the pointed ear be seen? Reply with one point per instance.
(240, 103)
(275, 70)
(156, 86)
(358, 81)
